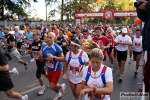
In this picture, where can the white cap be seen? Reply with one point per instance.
(124, 30)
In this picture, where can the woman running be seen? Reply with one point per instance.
(76, 59)
(97, 81)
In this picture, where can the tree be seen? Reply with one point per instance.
(14, 7)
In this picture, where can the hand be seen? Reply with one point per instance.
(50, 56)
(64, 77)
(2, 44)
(85, 91)
(103, 47)
(40, 53)
(142, 6)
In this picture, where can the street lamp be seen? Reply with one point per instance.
(46, 11)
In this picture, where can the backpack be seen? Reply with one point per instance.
(102, 74)
(79, 58)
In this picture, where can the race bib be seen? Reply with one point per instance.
(49, 63)
(137, 45)
(35, 55)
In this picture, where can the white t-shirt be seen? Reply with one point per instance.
(137, 44)
(125, 39)
(76, 76)
(90, 31)
(18, 36)
(97, 82)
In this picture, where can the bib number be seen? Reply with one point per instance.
(49, 63)
(35, 55)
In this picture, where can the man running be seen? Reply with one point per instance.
(137, 49)
(122, 43)
(54, 57)
(35, 48)
(9, 46)
(19, 36)
(102, 41)
(6, 84)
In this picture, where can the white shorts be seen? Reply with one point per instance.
(15, 55)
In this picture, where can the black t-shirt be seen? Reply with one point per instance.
(8, 39)
(60, 40)
(3, 61)
(42, 35)
(36, 46)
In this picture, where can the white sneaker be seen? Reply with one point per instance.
(63, 89)
(15, 71)
(42, 89)
(26, 97)
(58, 96)
(32, 60)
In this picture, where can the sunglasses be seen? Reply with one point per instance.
(34, 35)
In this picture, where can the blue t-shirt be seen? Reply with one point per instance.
(55, 49)
(29, 35)
(3, 35)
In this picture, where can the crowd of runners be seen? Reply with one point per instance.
(77, 51)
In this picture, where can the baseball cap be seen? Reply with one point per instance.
(124, 30)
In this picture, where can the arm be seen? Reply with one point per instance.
(60, 57)
(41, 58)
(45, 37)
(65, 68)
(11, 44)
(66, 43)
(4, 68)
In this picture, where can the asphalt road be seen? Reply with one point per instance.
(27, 83)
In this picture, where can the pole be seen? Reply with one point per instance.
(46, 12)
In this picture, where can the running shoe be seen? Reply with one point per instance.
(41, 92)
(120, 79)
(135, 73)
(26, 97)
(58, 96)
(15, 71)
(32, 60)
(26, 65)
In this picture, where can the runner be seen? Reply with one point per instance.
(110, 50)
(9, 46)
(78, 35)
(97, 81)
(62, 41)
(102, 41)
(122, 42)
(86, 36)
(75, 60)
(137, 49)
(132, 35)
(6, 84)
(36, 47)
(19, 36)
(54, 58)
(29, 40)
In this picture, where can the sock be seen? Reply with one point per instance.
(22, 98)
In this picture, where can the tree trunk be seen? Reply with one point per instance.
(62, 10)
(1, 10)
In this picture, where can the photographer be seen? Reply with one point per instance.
(143, 12)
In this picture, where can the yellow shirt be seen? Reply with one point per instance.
(69, 34)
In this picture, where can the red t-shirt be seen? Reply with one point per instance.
(102, 41)
(111, 40)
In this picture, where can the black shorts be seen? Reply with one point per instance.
(109, 50)
(5, 82)
(40, 68)
(135, 53)
(19, 44)
(121, 55)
